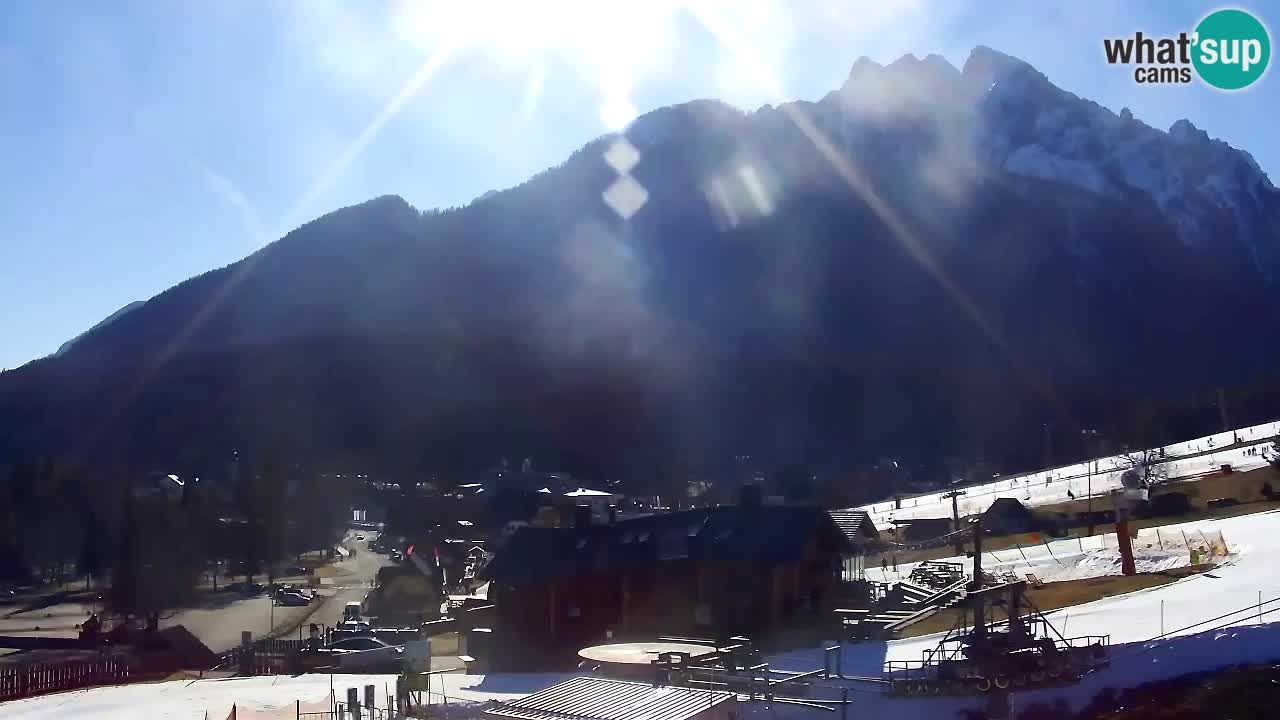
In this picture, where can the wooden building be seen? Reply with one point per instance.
(922, 529)
(863, 538)
(1008, 516)
(711, 572)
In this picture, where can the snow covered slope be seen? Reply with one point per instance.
(1005, 113)
(1184, 611)
(1047, 487)
(257, 696)
(1154, 549)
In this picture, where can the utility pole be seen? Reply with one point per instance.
(1089, 434)
(958, 542)
(979, 607)
(1048, 446)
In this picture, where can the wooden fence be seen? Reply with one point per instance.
(264, 657)
(19, 681)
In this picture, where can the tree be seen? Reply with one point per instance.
(157, 557)
(265, 509)
(89, 561)
(124, 595)
(1150, 464)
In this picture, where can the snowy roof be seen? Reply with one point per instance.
(854, 523)
(587, 492)
(605, 699)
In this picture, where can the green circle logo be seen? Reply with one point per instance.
(1232, 49)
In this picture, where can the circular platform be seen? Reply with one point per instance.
(640, 653)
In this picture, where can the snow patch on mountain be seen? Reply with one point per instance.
(1009, 117)
(1038, 162)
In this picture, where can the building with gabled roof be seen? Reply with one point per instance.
(857, 526)
(711, 572)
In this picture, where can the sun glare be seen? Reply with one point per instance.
(613, 43)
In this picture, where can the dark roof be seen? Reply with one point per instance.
(193, 653)
(1007, 506)
(605, 699)
(855, 524)
(770, 534)
(922, 521)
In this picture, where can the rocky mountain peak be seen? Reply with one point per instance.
(985, 66)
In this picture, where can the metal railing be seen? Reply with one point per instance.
(952, 649)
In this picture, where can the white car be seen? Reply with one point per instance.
(364, 651)
(353, 626)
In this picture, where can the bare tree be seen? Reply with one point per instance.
(1272, 454)
(1150, 464)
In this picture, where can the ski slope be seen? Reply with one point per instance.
(257, 698)
(1154, 549)
(1249, 579)
(1102, 475)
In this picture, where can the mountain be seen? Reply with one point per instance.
(927, 263)
(62, 349)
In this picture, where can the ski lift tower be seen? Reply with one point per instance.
(954, 494)
(988, 654)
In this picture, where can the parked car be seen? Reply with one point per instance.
(292, 599)
(362, 652)
(354, 627)
(397, 556)
(304, 589)
(246, 588)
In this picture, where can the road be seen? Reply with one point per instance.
(223, 615)
(220, 626)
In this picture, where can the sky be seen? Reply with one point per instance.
(147, 141)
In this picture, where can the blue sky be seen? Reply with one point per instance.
(148, 141)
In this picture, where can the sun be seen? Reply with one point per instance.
(612, 42)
